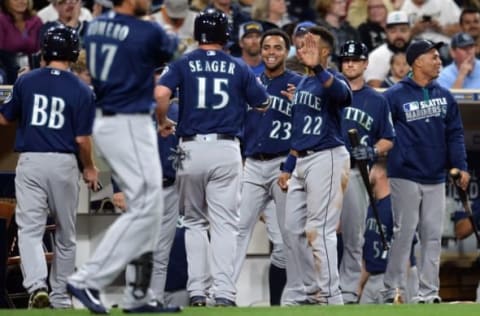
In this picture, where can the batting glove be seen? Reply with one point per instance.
(364, 152)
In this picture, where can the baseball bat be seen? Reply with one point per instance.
(462, 194)
(363, 168)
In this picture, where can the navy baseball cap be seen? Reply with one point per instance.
(250, 27)
(461, 40)
(420, 47)
(302, 28)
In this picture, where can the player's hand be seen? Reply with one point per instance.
(283, 180)
(118, 200)
(90, 176)
(309, 50)
(464, 180)
(290, 92)
(363, 152)
(166, 127)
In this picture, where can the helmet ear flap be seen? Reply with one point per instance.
(211, 26)
(61, 43)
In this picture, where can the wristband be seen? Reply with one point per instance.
(289, 164)
(321, 73)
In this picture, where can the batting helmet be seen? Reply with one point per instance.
(60, 43)
(211, 26)
(353, 49)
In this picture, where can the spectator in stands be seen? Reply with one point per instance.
(464, 71)
(250, 34)
(271, 11)
(68, 14)
(236, 18)
(372, 32)
(199, 5)
(79, 68)
(398, 39)
(19, 30)
(176, 16)
(470, 23)
(358, 11)
(49, 13)
(331, 14)
(399, 68)
(101, 6)
(434, 20)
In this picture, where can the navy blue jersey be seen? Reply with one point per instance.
(52, 108)
(167, 146)
(270, 132)
(370, 115)
(122, 53)
(372, 246)
(257, 70)
(317, 113)
(215, 89)
(429, 132)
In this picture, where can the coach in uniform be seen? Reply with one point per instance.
(429, 139)
(55, 113)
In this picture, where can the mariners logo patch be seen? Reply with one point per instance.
(419, 110)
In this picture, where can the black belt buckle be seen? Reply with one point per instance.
(168, 182)
(108, 113)
(305, 153)
(267, 156)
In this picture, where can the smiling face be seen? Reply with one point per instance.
(274, 52)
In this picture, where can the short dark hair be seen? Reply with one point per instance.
(468, 10)
(276, 32)
(117, 2)
(324, 34)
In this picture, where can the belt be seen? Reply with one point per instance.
(268, 156)
(110, 113)
(305, 153)
(376, 272)
(168, 182)
(207, 137)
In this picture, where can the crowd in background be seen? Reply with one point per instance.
(23, 23)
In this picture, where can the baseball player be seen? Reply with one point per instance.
(55, 113)
(266, 144)
(214, 89)
(370, 115)
(318, 164)
(429, 139)
(122, 53)
(374, 265)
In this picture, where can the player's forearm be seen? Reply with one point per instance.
(383, 146)
(162, 98)
(85, 153)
